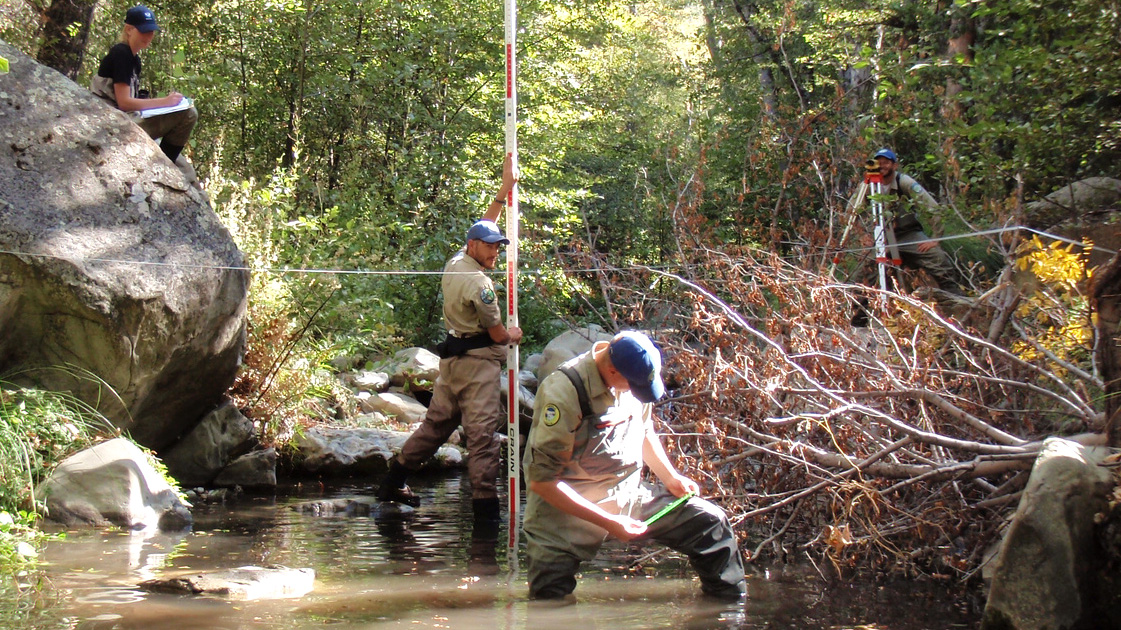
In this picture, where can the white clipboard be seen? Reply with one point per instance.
(160, 111)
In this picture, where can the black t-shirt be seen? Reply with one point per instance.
(121, 66)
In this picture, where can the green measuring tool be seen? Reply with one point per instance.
(3, 66)
(669, 508)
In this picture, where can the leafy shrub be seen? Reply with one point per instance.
(282, 370)
(37, 430)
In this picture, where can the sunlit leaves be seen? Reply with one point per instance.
(1059, 309)
(1058, 264)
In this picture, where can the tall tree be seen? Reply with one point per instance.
(66, 30)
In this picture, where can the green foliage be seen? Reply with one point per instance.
(286, 344)
(38, 429)
(281, 374)
(1035, 98)
(14, 18)
(366, 136)
(1034, 101)
(1059, 310)
(17, 539)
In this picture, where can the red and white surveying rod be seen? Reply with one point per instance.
(513, 446)
(874, 183)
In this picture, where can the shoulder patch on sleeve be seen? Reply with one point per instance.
(550, 415)
(486, 296)
(915, 187)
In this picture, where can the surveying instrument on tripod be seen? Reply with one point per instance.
(872, 189)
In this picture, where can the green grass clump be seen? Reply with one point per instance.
(38, 429)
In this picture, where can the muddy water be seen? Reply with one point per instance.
(430, 572)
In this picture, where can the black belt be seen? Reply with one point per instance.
(455, 346)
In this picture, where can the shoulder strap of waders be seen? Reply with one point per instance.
(581, 392)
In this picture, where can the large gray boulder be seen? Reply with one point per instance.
(114, 271)
(1074, 201)
(1049, 570)
(569, 344)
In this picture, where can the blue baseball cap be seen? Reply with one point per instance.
(636, 358)
(487, 232)
(141, 17)
(885, 153)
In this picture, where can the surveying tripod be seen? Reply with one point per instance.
(872, 188)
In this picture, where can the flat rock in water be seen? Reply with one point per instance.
(242, 583)
(354, 507)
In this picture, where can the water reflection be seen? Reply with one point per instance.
(433, 570)
(476, 603)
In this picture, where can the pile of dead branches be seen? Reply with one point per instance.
(898, 448)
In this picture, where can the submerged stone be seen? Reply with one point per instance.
(242, 583)
(354, 507)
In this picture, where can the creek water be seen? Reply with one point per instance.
(429, 571)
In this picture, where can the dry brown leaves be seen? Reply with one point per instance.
(892, 449)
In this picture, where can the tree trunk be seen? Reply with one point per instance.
(1106, 305)
(959, 52)
(296, 104)
(963, 32)
(760, 46)
(66, 32)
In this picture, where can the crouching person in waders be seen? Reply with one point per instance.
(592, 433)
(471, 356)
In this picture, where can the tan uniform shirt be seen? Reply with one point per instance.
(593, 455)
(904, 185)
(470, 303)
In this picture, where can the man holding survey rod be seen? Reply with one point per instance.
(592, 433)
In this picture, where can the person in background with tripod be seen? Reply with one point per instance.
(911, 245)
(916, 250)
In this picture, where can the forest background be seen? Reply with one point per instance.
(685, 167)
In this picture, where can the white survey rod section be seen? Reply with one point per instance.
(513, 445)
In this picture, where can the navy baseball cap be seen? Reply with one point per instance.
(141, 17)
(885, 153)
(487, 232)
(636, 358)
